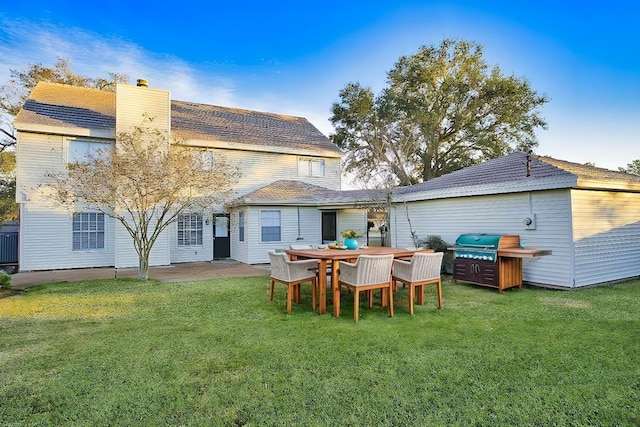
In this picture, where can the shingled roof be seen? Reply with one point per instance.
(53, 104)
(193, 121)
(64, 106)
(290, 192)
(588, 172)
(505, 174)
(509, 173)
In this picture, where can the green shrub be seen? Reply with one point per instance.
(5, 281)
(439, 245)
(435, 242)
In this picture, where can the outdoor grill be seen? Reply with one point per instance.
(483, 247)
(491, 260)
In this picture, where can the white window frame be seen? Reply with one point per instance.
(93, 147)
(270, 225)
(90, 229)
(205, 157)
(190, 230)
(311, 166)
(241, 227)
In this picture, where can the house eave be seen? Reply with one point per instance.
(551, 183)
(608, 185)
(65, 131)
(310, 151)
(321, 205)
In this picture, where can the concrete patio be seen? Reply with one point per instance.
(170, 273)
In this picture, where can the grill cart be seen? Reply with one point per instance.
(491, 260)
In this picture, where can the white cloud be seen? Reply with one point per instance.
(93, 55)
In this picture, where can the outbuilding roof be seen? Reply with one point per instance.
(519, 171)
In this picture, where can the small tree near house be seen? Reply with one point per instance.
(145, 183)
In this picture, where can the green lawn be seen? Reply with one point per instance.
(120, 352)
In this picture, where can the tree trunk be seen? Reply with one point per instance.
(143, 266)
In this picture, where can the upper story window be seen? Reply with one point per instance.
(88, 231)
(205, 158)
(78, 150)
(308, 166)
(190, 230)
(270, 226)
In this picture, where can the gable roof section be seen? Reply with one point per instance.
(237, 128)
(80, 110)
(593, 176)
(58, 108)
(508, 174)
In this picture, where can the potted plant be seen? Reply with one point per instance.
(350, 237)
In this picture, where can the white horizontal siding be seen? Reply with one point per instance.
(553, 232)
(192, 253)
(607, 235)
(259, 169)
(258, 250)
(253, 251)
(239, 250)
(352, 219)
(126, 255)
(36, 155)
(46, 241)
(310, 226)
(497, 214)
(134, 102)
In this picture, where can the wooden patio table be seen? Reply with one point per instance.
(332, 257)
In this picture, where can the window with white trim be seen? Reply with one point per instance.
(88, 231)
(80, 150)
(241, 226)
(270, 226)
(190, 230)
(310, 166)
(204, 158)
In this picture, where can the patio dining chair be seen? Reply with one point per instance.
(292, 274)
(302, 247)
(367, 273)
(422, 269)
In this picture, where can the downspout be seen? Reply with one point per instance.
(299, 236)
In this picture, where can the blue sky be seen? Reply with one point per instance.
(294, 57)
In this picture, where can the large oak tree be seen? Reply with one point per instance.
(632, 168)
(443, 109)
